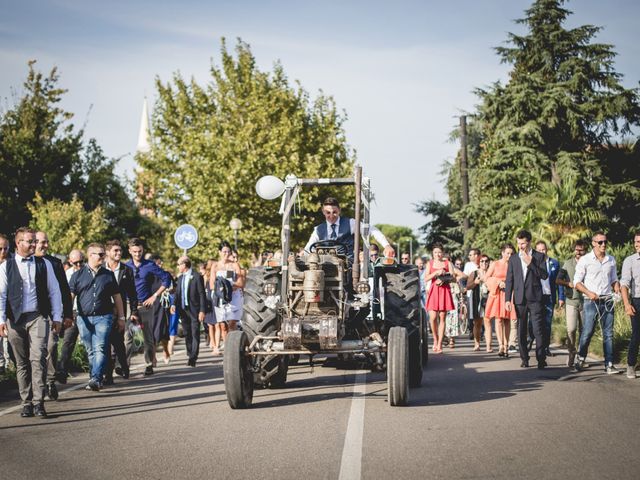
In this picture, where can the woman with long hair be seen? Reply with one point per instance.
(495, 281)
(456, 318)
(476, 283)
(439, 300)
(210, 315)
(227, 313)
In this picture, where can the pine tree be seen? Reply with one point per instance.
(545, 134)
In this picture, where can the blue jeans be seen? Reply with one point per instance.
(634, 341)
(94, 332)
(591, 311)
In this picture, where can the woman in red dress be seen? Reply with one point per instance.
(495, 281)
(439, 299)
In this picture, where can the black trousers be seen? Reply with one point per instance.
(191, 327)
(69, 338)
(531, 312)
(117, 351)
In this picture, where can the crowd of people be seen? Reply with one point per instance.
(94, 296)
(517, 294)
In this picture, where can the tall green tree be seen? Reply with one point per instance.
(39, 146)
(44, 158)
(213, 141)
(547, 134)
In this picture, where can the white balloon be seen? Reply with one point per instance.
(269, 187)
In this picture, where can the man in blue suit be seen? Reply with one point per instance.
(551, 293)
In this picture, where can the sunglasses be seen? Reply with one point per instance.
(78, 263)
(100, 254)
(601, 242)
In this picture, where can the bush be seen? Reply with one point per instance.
(79, 359)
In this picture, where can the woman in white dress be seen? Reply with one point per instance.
(227, 314)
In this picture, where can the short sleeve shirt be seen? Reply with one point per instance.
(93, 291)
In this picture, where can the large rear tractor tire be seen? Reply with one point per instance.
(402, 308)
(236, 368)
(398, 367)
(258, 318)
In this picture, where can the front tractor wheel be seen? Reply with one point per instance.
(236, 367)
(398, 366)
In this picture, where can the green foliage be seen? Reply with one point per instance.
(79, 360)
(440, 226)
(546, 158)
(42, 155)
(68, 224)
(97, 185)
(38, 149)
(213, 141)
(397, 234)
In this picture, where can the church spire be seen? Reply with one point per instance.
(144, 135)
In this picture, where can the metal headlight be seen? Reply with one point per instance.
(270, 288)
(363, 287)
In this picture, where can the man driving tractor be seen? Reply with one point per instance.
(340, 229)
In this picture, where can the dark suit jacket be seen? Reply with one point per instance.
(529, 290)
(65, 291)
(195, 294)
(127, 288)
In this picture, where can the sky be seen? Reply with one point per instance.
(402, 71)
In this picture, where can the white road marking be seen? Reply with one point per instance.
(351, 463)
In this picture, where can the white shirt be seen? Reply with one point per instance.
(27, 272)
(69, 273)
(377, 234)
(469, 268)
(630, 277)
(525, 267)
(546, 286)
(597, 276)
(116, 271)
(184, 279)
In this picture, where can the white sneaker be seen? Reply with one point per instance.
(611, 370)
(631, 372)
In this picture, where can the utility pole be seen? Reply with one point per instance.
(464, 175)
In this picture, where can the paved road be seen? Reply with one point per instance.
(476, 416)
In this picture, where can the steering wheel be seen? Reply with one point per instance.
(341, 248)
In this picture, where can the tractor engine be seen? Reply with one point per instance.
(315, 313)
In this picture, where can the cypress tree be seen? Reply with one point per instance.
(548, 135)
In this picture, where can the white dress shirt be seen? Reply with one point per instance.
(27, 271)
(525, 267)
(630, 277)
(597, 276)
(374, 231)
(546, 285)
(116, 271)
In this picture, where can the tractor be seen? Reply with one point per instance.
(326, 304)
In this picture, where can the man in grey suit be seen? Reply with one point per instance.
(42, 249)
(524, 274)
(29, 299)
